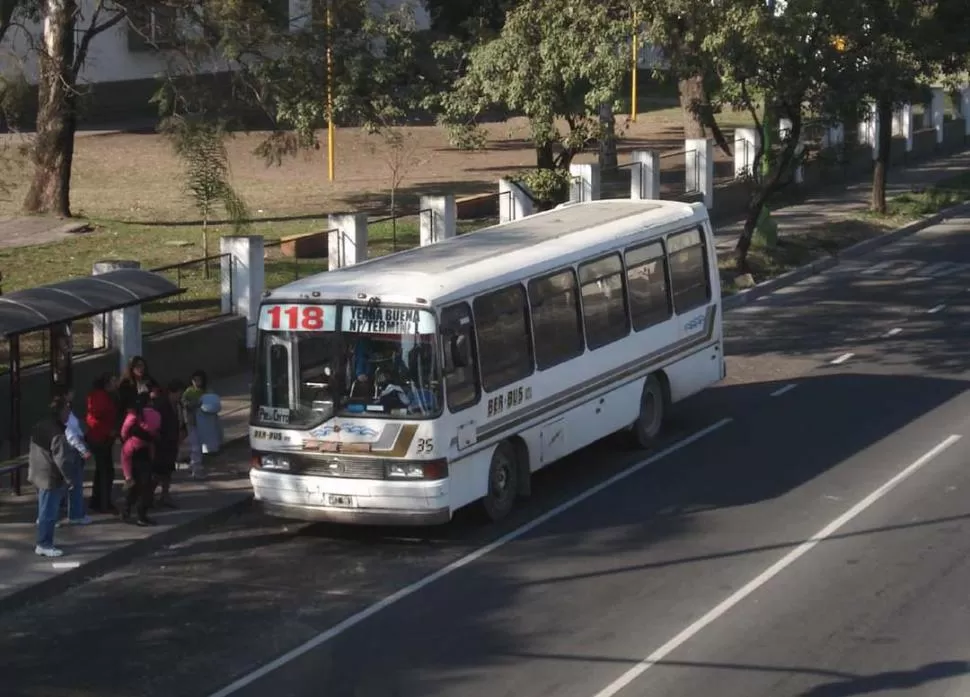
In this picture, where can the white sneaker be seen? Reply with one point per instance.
(48, 551)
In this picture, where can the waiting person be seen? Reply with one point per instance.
(50, 472)
(166, 403)
(139, 436)
(76, 509)
(134, 381)
(102, 421)
(191, 404)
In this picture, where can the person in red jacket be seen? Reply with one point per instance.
(102, 422)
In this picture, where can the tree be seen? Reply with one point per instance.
(554, 61)
(678, 28)
(783, 55)
(200, 144)
(61, 56)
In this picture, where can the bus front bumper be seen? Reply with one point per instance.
(351, 501)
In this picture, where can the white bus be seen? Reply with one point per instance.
(401, 389)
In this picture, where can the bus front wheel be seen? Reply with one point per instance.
(653, 407)
(503, 482)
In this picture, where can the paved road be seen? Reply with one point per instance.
(764, 559)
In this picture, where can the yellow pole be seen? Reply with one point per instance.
(330, 133)
(633, 88)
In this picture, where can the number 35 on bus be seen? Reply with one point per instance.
(404, 388)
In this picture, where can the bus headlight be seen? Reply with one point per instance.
(405, 471)
(275, 462)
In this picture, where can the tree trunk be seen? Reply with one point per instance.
(699, 118)
(53, 152)
(607, 141)
(884, 137)
(545, 158)
(755, 206)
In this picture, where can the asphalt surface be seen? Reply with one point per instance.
(764, 559)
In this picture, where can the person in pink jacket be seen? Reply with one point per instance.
(139, 433)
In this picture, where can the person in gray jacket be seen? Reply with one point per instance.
(48, 470)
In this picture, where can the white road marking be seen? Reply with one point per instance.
(893, 332)
(403, 593)
(782, 390)
(842, 359)
(934, 310)
(769, 573)
(66, 564)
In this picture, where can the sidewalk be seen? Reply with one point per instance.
(107, 543)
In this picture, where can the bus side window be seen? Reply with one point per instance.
(689, 274)
(646, 278)
(557, 323)
(504, 337)
(461, 383)
(604, 301)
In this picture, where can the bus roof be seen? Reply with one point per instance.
(467, 264)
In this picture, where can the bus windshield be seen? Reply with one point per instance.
(381, 362)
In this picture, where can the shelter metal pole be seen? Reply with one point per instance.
(15, 435)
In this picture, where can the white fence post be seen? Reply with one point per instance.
(119, 329)
(588, 186)
(784, 132)
(699, 167)
(746, 142)
(645, 175)
(514, 202)
(243, 275)
(439, 215)
(936, 112)
(903, 125)
(347, 244)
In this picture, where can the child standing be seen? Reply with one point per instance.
(191, 402)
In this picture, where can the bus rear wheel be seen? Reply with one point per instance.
(503, 482)
(653, 408)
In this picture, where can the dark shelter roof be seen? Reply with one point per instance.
(46, 306)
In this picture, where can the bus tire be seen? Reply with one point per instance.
(653, 408)
(503, 484)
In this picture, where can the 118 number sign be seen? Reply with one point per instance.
(296, 318)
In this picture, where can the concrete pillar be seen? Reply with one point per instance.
(903, 125)
(120, 329)
(585, 182)
(965, 109)
(936, 112)
(439, 218)
(645, 175)
(514, 202)
(243, 275)
(700, 167)
(784, 130)
(869, 130)
(348, 239)
(746, 142)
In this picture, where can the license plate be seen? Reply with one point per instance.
(340, 500)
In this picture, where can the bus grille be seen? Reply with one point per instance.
(347, 468)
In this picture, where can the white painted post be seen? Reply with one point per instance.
(243, 270)
(965, 109)
(936, 112)
(903, 124)
(122, 328)
(439, 216)
(784, 131)
(588, 186)
(514, 201)
(700, 167)
(872, 130)
(348, 239)
(746, 142)
(833, 136)
(645, 176)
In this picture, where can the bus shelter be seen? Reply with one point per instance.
(54, 308)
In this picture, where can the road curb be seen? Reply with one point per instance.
(859, 249)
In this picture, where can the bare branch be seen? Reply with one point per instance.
(93, 29)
